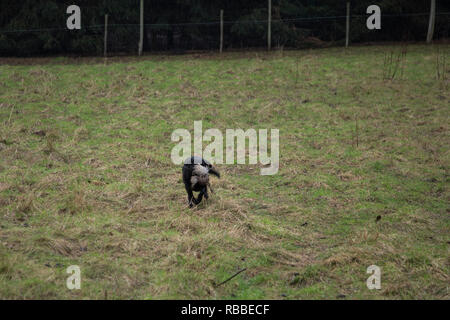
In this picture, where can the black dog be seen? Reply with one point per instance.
(196, 172)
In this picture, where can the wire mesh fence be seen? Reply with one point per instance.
(245, 32)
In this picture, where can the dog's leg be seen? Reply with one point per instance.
(191, 198)
(200, 197)
(205, 192)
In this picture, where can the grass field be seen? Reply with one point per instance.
(86, 177)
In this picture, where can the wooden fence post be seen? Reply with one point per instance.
(347, 27)
(221, 30)
(105, 44)
(432, 21)
(269, 26)
(141, 33)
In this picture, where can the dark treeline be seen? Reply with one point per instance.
(38, 27)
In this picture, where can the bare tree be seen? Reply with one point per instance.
(432, 21)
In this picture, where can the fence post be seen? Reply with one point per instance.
(141, 34)
(105, 44)
(347, 27)
(431, 22)
(221, 30)
(269, 26)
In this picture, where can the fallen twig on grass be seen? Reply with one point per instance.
(234, 275)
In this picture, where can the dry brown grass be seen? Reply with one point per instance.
(85, 177)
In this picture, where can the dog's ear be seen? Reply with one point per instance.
(214, 171)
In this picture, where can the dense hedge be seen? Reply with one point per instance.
(38, 27)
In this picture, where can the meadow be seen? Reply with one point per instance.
(86, 177)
